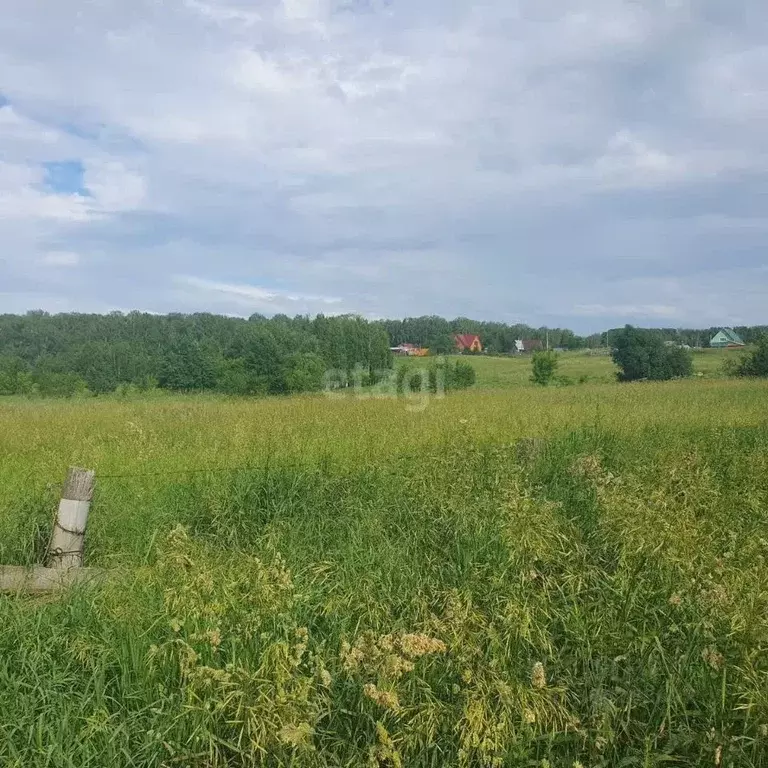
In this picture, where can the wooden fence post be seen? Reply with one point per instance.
(66, 547)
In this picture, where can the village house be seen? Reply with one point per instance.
(409, 350)
(726, 338)
(467, 342)
(528, 345)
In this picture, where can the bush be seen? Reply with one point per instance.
(51, 384)
(305, 372)
(755, 363)
(15, 378)
(544, 367)
(643, 354)
(442, 376)
(464, 375)
(233, 378)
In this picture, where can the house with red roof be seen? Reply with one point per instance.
(467, 342)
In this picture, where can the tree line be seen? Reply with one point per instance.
(68, 353)
(691, 337)
(60, 355)
(437, 334)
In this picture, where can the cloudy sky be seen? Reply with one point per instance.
(564, 162)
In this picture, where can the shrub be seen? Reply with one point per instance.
(464, 375)
(409, 379)
(305, 372)
(755, 363)
(441, 376)
(15, 378)
(544, 367)
(642, 354)
(52, 384)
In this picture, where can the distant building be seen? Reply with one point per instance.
(409, 350)
(726, 338)
(528, 345)
(468, 342)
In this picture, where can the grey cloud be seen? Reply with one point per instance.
(507, 159)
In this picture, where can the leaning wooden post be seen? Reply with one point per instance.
(66, 547)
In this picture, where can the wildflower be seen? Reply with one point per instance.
(214, 638)
(386, 699)
(718, 755)
(325, 678)
(538, 676)
(675, 599)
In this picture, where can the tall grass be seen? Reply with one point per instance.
(367, 585)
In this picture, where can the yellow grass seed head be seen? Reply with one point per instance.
(714, 658)
(529, 716)
(386, 699)
(538, 676)
(417, 645)
(296, 735)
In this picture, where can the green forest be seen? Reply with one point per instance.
(66, 354)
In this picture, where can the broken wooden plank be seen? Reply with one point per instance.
(36, 579)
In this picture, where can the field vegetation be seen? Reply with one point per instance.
(511, 576)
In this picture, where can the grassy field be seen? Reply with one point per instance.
(578, 367)
(511, 576)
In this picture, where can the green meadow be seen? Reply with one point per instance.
(506, 576)
(593, 366)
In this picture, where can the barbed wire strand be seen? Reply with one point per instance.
(180, 472)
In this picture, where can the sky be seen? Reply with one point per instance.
(577, 163)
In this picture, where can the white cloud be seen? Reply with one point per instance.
(22, 198)
(61, 259)
(398, 157)
(627, 310)
(113, 186)
(224, 14)
(254, 298)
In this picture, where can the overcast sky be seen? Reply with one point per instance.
(583, 163)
